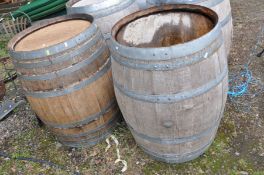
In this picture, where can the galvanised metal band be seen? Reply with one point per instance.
(87, 119)
(181, 140)
(79, 86)
(226, 20)
(173, 63)
(165, 53)
(175, 158)
(104, 126)
(172, 98)
(65, 56)
(31, 55)
(206, 3)
(68, 70)
(102, 9)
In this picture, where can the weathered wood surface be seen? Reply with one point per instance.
(106, 12)
(172, 93)
(68, 82)
(221, 7)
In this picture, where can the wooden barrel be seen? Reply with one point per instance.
(66, 74)
(142, 4)
(221, 7)
(105, 12)
(170, 79)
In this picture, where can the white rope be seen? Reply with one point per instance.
(117, 152)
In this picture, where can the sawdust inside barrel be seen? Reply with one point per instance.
(65, 72)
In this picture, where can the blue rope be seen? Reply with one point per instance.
(239, 84)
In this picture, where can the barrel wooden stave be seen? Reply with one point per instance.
(62, 109)
(92, 131)
(177, 153)
(173, 106)
(43, 65)
(70, 77)
(221, 7)
(106, 17)
(80, 103)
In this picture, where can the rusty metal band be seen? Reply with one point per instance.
(165, 53)
(54, 49)
(63, 72)
(180, 140)
(226, 20)
(86, 143)
(172, 98)
(99, 10)
(173, 63)
(109, 123)
(177, 158)
(64, 57)
(76, 87)
(87, 120)
(206, 3)
(93, 141)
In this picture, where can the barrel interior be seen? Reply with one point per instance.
(52, 34)
(165, 28)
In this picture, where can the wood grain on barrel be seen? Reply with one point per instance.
(52, 35)
(68, 83)
(172, 105)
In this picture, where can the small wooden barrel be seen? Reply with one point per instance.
(105, 12)
(170, 79)
(65, 70)
(221, 7)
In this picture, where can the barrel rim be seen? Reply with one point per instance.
(161, 53)
(99, 10)
(53, 49)
(206, 3)
(94, 6)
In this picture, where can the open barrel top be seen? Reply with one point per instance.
(164, 26)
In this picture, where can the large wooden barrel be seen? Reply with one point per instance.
(221, 7)
(66, 74)
(170, 79)
(105, 12)
(142, 4)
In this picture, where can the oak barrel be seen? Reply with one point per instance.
(65, 72)
(170, 79)
(142, 4)
(105, 12)
(221, 7)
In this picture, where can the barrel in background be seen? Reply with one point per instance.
(221, 7)
(66, 74)
(105, 12)
(170, 79)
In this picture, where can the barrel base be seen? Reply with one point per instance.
(90, 139)
(86, 143)
(175, 158)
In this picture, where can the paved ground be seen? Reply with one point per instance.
(237, 149)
